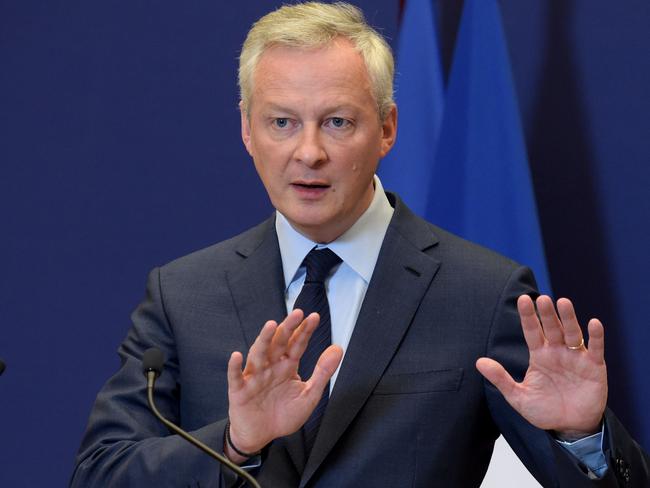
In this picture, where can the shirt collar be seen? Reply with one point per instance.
(358, 247)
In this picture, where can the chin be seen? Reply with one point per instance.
(309, 224)
(317, 229)
(307, 217)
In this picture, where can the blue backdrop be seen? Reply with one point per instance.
(120, 150)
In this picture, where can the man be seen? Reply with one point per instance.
(396, 399)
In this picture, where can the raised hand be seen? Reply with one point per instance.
(268, 399)
(565, 387)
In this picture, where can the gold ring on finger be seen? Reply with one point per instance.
(579, 346)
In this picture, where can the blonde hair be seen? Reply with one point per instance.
(314, 24)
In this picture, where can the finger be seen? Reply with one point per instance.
(258, 354)
(596, 341)
(550, 322)
(498, 376)
(235, 376)
(283, 333)
(530, 323)
(572, 332)
(300, 338)
(325, 368)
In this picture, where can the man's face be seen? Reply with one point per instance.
(315, 136)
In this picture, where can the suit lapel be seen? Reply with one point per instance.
(402, 275)
(257, 283)
(257, 287)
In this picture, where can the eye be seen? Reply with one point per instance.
(281, 122)
(339, 122)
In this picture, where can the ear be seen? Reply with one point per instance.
(245, 128)
(389, 131)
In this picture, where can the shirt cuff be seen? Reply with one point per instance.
(589, 451)
(231, 480)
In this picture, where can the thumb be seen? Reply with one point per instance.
(325, 368)
(497, 375)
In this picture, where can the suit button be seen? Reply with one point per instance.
(622, 470)
(626, 475)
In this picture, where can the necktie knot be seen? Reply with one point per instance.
(319, 263)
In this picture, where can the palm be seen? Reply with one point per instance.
(564, 389)
(277, 401)
(268, 399)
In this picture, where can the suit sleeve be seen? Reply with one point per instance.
(548, 462)
(124, 444)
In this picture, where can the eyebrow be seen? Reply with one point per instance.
(274, 107)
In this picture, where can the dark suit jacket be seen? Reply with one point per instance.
(408, 408)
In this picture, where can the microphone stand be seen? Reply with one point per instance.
(151, 379)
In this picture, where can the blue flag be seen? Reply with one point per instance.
(419, 94)
(481, 186)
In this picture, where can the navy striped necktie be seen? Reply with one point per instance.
(312, 298)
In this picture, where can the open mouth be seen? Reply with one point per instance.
(311, 186)
(310, 190)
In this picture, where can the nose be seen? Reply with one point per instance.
(310, 150)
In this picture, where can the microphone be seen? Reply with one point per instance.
(2, 366)
(153, 361)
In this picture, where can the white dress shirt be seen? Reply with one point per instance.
(346, 286)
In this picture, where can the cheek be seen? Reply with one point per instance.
(364, 156)
(361, 168)
(269, 160)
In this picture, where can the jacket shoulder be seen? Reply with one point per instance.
(458, 249)
(222, 255)
(444, 245)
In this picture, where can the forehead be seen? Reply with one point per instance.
(336, 70)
